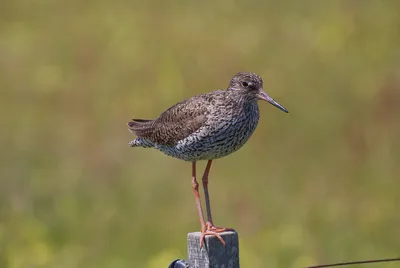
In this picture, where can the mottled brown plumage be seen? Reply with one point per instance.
(206, 127)
(174, 124)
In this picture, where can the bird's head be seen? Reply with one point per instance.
(251, 86)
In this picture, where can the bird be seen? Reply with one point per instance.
(206, 127)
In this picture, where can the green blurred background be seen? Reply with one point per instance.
(318, 185)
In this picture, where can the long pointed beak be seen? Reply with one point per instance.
(264, 96)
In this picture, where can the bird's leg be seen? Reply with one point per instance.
(207, 196)
(195, 187)
(210, 228)
(204, 229)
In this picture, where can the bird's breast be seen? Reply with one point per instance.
(228, 133)
(225, 131)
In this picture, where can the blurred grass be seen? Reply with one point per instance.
(317, 185)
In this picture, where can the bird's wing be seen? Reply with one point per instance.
(175, 124)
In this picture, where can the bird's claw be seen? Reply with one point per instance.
(206, 232)
(210, 229)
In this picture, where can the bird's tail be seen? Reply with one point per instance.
(140, 127)
(139, 142)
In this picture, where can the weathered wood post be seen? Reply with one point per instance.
(213, 254)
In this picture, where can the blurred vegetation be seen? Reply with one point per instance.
(318, 185)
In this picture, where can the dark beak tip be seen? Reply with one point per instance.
(280, 107)
(263, 96)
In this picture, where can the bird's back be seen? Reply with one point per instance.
(176, 123)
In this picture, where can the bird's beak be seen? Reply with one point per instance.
(264, 96)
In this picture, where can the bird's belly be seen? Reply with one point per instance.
(205, 144)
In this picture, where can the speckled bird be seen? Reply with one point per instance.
(206, 127)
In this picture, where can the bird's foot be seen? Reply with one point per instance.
(211, 229)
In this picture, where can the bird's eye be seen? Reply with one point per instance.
(245, 84)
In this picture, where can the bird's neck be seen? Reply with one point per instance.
(243, 98)
(251, 107)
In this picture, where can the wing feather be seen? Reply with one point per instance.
(175, 124)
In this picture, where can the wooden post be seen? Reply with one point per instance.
(213, 254)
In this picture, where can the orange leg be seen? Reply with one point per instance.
(210, 228)
(195, 187)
